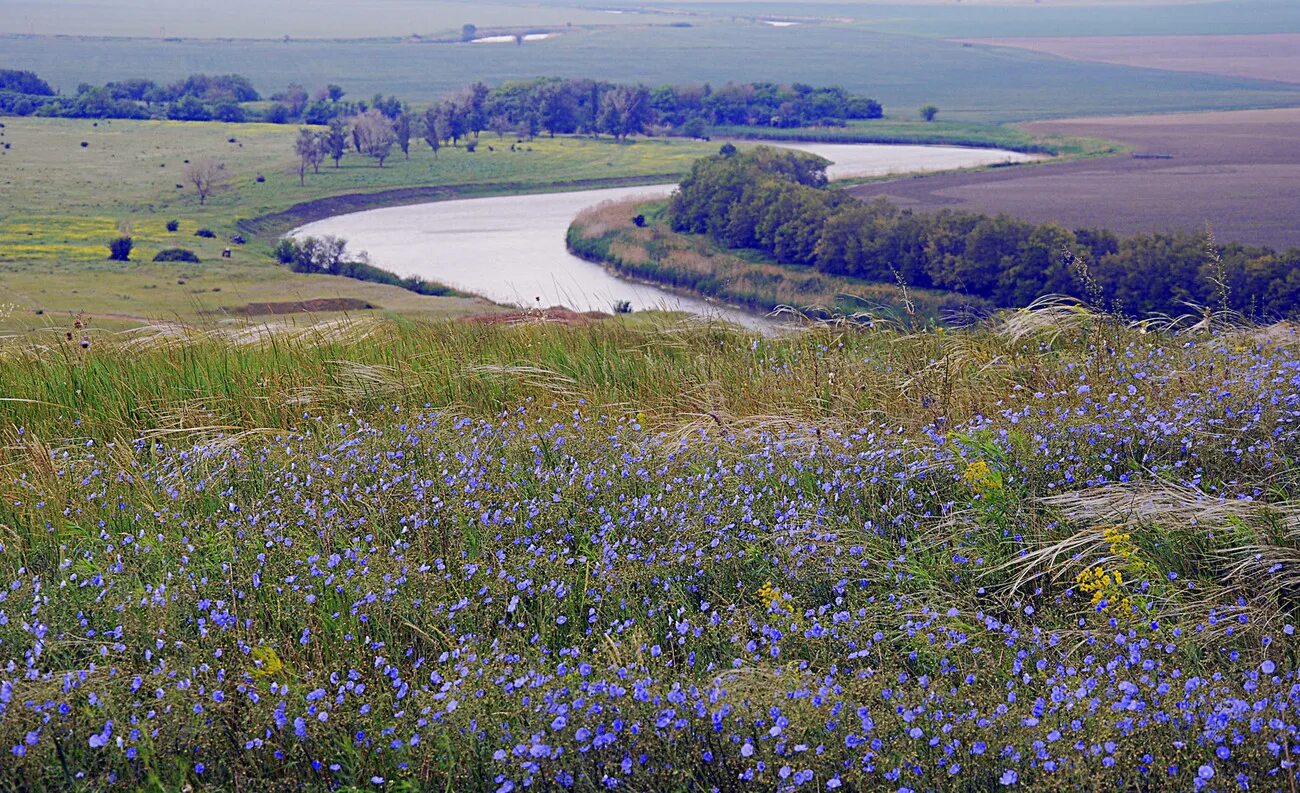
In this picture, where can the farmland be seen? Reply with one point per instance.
(1234, 171)
(1274, 56)
(903, 72)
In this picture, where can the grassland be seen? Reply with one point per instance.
(1051, 552)
(61, 203)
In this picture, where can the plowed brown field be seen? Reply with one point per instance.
(1237, 171)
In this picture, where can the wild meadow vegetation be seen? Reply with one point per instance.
(1052, 551)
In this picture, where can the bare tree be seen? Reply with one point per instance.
(311, 152)
(374, 135)
(206, 176)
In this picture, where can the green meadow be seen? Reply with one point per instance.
(61, 202)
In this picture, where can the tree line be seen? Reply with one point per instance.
(559, 106)
(199, 97)
(778, 202)
(550, 105)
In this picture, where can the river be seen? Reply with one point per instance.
(511, 249)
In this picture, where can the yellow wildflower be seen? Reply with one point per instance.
(981, 477)
(772, 598)
(268, 662)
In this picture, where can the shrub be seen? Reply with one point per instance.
(119, 250)
(177, 255)
(173, 225)
(286, 250)
(207, 234)
(238, 239)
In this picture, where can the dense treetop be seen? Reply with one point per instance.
(553, 105)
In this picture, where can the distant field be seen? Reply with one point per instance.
(390, 18)
(1260, 57)
(1235, 171)
(968, 83)
(296, 18)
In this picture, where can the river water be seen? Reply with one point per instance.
(511, 249)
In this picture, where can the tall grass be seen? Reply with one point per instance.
(1051, 551)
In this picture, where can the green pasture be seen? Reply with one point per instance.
(61, 203)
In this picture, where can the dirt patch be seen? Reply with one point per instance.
(313, 306)
(1236, 171)
(1271, 56)
(557, 315)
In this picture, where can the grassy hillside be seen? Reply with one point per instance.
(1051, 552)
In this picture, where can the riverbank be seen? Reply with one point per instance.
(610, 236)
(512, 249)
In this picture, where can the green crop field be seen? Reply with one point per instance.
(972, 83)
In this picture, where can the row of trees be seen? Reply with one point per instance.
(199, 97)
(371, 133)
(777, 201)
(554, 106)
(559, 106)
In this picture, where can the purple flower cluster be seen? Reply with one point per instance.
(584, 604)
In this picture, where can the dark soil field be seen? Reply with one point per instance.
(1237, 171)
(1273, 56)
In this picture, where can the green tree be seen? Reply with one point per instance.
(311, 151)
(402, 128)
(928, 112)
(335, 140)
(434, 131)
(624, 111)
